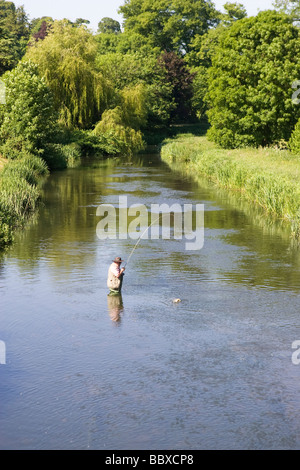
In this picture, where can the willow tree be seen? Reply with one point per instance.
(66, 58)
(123, 122)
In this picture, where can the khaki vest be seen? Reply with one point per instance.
(113, 282)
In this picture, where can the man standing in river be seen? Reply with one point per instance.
(115, 276)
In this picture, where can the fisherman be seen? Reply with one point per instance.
(115, 276)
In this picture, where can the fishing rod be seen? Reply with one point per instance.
(132, 251)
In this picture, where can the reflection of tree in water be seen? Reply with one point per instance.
(115, 307)
(1, 266)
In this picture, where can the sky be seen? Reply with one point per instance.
(95, 10)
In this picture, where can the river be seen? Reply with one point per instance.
(81, 370)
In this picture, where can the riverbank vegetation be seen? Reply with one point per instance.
(19, 193)
(268, 177)
(67, 91)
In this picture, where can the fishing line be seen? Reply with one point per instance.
(140, 240)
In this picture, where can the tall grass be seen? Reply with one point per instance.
(267, 177)
(19, 194)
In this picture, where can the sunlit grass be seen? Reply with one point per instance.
(19, 193)
(268, 177)
(3, 161)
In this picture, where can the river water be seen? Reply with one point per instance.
(82, 370)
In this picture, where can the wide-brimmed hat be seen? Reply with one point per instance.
(118, 260)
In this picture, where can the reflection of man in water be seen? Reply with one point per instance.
(115, 276)
(115, 306)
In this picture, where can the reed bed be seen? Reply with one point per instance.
(19, 194)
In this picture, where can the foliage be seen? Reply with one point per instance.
(19, 194)
(102, 144)
(169, 25)
(109, 25)
(267, 177)
(125, 120)
(42, 29)
(66, 57)
(200, 86)
(203, 48)
(59, 156)
(181, 80)
(294, 142)
(14, 35)
(133, 68)
(125, 42)
(134, 106)
(36, 23)
(253, 69)
(28, 118)
(290, 7)
(107, 43)
(30, 168)
(233, 12)
(113, 124)
(127, 69)
(81, 22)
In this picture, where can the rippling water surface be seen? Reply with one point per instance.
(88, 371)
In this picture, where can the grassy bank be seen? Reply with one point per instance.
(19, 193)
(266, 177)
(3, 161)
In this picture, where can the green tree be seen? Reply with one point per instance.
(66, 58)
(250, 80)
(81, 22)
(125, 120)
(14, 35)
(169, 25)
(181, 80)
(202, 50)
(233, 12)
(36, 24)
(133, 68)
(289, 7)
(203, 46)
(109, 25)
(28, 119)
(123, 43)
(40, 29)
